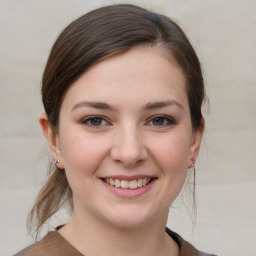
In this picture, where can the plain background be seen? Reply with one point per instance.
(224, 36)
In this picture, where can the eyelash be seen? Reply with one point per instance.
(165, 121)
(88, 121)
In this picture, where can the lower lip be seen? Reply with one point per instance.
(129, 193)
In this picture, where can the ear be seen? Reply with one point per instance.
(195, 143)
(52, 138)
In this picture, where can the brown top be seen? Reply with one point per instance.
(54, 244)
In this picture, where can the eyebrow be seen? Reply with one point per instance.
(162, 104)
(93, 104)
(148, 106)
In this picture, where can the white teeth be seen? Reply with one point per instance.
(139, 183)
(117, 183)
(144, 181)
(133, 184)
(124, 184)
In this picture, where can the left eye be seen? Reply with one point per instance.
(94, 121)
(161, 121)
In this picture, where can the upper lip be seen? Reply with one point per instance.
(128, 178)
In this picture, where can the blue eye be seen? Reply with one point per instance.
(94, 121)
(162, 121)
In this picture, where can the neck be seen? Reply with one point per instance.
(93, 237)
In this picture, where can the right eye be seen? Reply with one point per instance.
(94, 121)
(162, 121)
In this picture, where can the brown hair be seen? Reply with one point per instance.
(87, 40)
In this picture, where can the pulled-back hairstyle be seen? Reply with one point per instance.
(94, 36)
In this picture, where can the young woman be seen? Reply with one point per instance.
(122, 92)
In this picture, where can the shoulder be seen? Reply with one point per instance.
(53, 244)
(186, 249)
(43, 247)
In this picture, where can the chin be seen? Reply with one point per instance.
(132, 219)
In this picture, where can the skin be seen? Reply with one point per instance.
(142, 127)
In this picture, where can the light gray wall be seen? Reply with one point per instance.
(224, 35)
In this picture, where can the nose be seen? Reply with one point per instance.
(128, 147)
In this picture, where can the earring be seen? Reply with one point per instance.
(191, 166)
(57, 162)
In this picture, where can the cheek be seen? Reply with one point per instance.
(172, 152)
(81, 154)
(172, 157)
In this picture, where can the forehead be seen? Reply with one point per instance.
(147, 73)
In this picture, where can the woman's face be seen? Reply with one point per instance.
(125, 137)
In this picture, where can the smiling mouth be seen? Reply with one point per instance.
(131, 184)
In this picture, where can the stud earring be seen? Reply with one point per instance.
(191, 166)
(57, 162)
